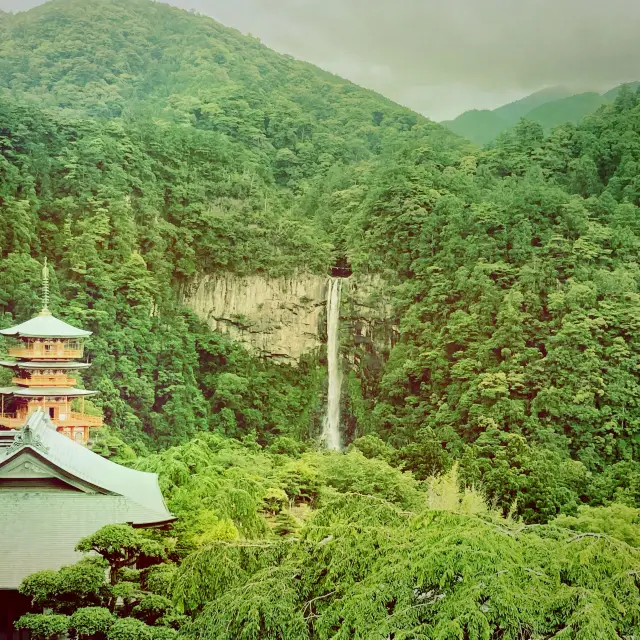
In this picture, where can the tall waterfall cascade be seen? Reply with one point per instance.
(331, 430)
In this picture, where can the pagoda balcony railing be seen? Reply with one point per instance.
(82, 419)
(11, 420)
(45, 381)
(46, 354)
(74, 419)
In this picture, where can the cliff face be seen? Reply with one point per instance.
(274, 317)
(284, 318)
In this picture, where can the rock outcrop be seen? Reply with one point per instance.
(274, 317)
(284, 318)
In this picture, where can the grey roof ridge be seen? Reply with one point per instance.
(38, 451)
(109, 477)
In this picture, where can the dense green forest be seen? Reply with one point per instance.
(290, 544)
(184, 148)
(493, 487)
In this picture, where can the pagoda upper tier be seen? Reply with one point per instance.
(46, 351)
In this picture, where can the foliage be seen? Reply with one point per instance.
(616, 520)
(540, 481)
(159, 579)
(177, 148)
(444, 493)
(92, 622)
(376, 553)
(121, 546)
(130, 629)
(43, 627)
(433, 575)
(151, 608)
(354, 473)
(372, 446)
(104, 598)
(79, 585)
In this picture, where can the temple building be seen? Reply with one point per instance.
(46, 352)
(53, 489)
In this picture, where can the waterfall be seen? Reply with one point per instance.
(331, 430)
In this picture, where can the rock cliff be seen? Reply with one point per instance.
(284, 318)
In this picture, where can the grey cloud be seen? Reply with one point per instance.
(443, 56)
(18, 5)
(439, 56)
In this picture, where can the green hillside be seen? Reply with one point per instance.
(571, 109)
(132, 201)
(491, 483)
(144, 145)
(513, 111)
(549, 107)
(480, 126)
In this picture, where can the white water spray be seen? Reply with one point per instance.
(331, 430)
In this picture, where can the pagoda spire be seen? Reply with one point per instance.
(45, 290)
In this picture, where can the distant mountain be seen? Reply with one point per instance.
(549, 107)
(571, 109)
(479, 126)
(610, 96)
(513, 111)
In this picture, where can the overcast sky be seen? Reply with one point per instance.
(441, 57)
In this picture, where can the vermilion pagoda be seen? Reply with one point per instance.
(47, 352)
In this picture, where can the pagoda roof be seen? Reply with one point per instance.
(39, 529)
(37, 392)
(50, 364)
(45, 326)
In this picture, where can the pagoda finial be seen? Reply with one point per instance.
(45, 290)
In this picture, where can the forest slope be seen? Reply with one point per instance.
(287, 543)
(174, 146)
(141, 145)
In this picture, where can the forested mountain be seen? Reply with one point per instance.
(142, 146)
(513, 111)
(549, 107)
(514, 269)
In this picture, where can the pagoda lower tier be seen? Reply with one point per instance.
(55, 402)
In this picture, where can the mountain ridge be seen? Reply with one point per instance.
(549, 107)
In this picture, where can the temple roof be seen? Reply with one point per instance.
(39, 392)
(31, 364)
(41, 526)
(45, 326)
(40, 434)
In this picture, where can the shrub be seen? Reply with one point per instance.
(151, 608)
(164, 633)
(44, 627)
(92, 622)
(130, 629)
